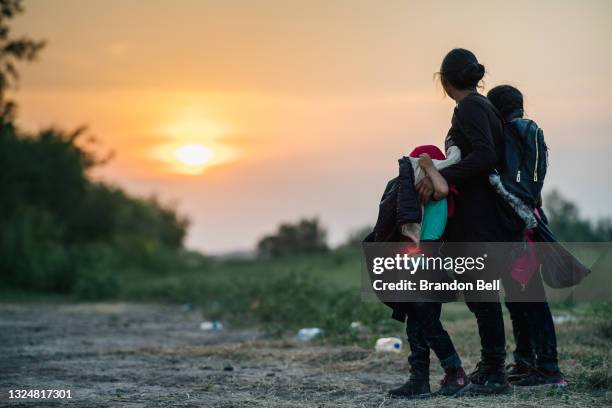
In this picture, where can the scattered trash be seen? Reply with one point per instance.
(214, 325)
(228, 368)
(563, 319)
(308, 333)
(389, 344)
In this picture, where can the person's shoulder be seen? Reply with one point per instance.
(533, 122)
(478, 106)
(523, 119)
(525, 124)
(472, 102)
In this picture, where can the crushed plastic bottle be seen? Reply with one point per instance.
(308, 333)
(210, 326)
(389, 344)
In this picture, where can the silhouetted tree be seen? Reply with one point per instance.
(568, 225)
(50, 210)
(355, 237)
(305, 237)
(56, 224)
(12, 51)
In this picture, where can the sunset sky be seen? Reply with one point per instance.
(249, 113)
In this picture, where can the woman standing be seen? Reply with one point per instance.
(476, 129)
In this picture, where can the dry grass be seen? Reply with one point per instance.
(149, 355)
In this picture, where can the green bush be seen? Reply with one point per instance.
(58, 228)
(96, 286)
(307, 236)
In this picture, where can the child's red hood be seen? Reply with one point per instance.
(431, 150)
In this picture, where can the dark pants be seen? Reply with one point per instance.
(485, 305)
(533, 328)
(425, 333)
(490, 320)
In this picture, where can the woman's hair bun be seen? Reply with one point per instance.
(474, 72)
(461, 69)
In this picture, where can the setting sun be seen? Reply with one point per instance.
(191, 143)
(193, 154)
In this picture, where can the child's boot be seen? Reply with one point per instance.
(455, 379)
(416, 387)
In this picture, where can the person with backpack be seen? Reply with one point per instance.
(522, 178)
(480, 216)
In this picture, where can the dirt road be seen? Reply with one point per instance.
(153, 356)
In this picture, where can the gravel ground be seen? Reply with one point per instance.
(136, 355)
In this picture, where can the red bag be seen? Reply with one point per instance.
(525, 266)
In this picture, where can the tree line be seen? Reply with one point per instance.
(60, 231)
(309, 236)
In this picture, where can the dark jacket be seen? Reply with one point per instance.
(480, 214)
(399, 205)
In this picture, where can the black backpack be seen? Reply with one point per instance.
(525, 160)
(519, 178)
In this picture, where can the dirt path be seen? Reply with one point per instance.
(143, 356)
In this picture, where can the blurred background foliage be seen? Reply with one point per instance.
(61, 231)
(570, 226)
(307, 236)
(57, 226)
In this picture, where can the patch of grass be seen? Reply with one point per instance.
(281, 294)
(605, 330)
(598, 379)
(11, 295)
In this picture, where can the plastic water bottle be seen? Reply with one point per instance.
(308, 333)
(389, 344)
(211, 326)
